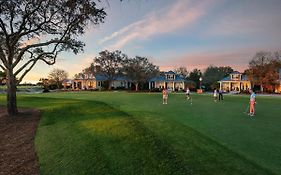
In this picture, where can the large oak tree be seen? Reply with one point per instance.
(264, 69)
(38, 30)
(57, 76)
(109, 64)
(139, 70)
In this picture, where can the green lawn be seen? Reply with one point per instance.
(133, 133)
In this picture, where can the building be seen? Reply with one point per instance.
(235, 82)
(168, 80)
(278, 88)
(97, 82)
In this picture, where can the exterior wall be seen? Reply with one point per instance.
(235, 86)
(84, 84)
(170, 85)
(159, 84)
(278, 88)
(117, 84)
(179, 85)
(93, 84)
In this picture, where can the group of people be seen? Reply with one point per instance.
(218, 94)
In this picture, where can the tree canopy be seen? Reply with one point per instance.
(109, 64)
(56, 76)
(213, 74)
(139, 70)
(182, 71)
(264, 70)
(194, 76)
(38, 30)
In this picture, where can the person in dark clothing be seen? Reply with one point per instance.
(220, 95)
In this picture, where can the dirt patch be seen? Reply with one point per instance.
(17, 151)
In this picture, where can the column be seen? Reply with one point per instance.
(73, 85)
(220, 85)
(229, 86)
(149, 85)
(173, 86)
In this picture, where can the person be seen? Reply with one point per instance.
(165, 96)
(252, 102)
(220, 95)
(187, 93)
(215, 95)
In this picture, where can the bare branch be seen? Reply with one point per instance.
(2, 26)
(26, 71)
(2, 57)
(28, 14)
(25, 49)
(23, 66)
(2, 67)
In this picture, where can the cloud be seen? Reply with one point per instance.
(181, 14)
(237, 59)
(247, 19)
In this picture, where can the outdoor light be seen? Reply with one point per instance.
(200, 79)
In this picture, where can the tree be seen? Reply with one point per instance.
(109, 64)
(263, 69)
(194, 76)
(213, 74)
(38, 30)
(2, 77)
(56, 76)
(182, 71)
(139, 70)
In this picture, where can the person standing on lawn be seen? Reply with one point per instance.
(252, 102)
(165, 96)
(215, 95)
(220, 95)
(187, 93)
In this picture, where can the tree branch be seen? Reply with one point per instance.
(26, 71)
(2, 57)
(2, 67)
(25, 49)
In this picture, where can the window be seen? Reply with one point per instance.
(170, 77)
(235, 76)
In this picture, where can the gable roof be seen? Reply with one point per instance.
(178, 78)
(243, 78)
(235, 72)
(170, 72)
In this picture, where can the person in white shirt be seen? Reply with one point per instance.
(187, 93)
(215, 95)
(252, 103)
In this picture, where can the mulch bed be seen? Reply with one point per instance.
(17, 151)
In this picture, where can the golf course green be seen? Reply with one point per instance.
(134, 133)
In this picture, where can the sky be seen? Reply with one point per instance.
(174, 33)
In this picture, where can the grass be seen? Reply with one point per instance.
(133, 133)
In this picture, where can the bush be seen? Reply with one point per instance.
(156, 90)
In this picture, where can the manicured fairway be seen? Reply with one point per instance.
(133, 133)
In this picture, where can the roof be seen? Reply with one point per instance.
(170, 72)
(100, 77)
(163, 78)
(235, 72)
(244, 78)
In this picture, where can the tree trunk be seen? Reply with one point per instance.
(11, 93)
(137, 86)
(109, 85)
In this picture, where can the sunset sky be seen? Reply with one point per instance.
(173, 33)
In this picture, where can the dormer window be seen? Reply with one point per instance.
(170, 77)
(235, 76)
